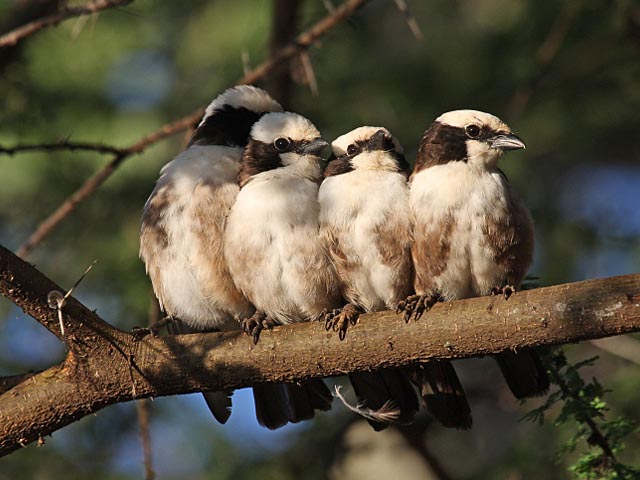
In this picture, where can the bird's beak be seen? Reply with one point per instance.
(377, 141)
(315, 147)
(507, 142)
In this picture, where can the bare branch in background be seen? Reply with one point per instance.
(142, 408)
(410, 19)
(11, 38)
(545, 55)
(416, 436)
(92, 184)
(623, 347)
(284, 27)
(62, 145)
(108, 366)
(303, 42)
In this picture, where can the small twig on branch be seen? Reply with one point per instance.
(545, 55)
(14, 36)
(116, 366)
(304, 41)
(56, 299)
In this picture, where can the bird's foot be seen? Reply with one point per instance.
(254, 325)
(339, 320)
(507, 291)
(154, 329)
(415, 305)
(327, 317)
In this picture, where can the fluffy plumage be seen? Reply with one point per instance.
(181, 239)
(272, 244)
(473, 235)
(365, 221)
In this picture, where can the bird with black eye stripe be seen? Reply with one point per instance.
(367, 225)
(181, 238)
(273, 248)
(473, 235)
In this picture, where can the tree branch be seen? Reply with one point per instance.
(285, 54)
(62, 145)
(107, 365)
(14, 36)
(545, 55)
(92, 183)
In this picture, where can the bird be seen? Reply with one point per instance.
(272, 245)
(181, 237)
(473, 235)
(367, 224)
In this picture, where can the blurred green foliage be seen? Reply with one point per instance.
(118, 76)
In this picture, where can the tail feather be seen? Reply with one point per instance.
(279, 404)
(272, 405)
(524, 373)
(306, 398)
(443, 394)
(319, 394)
(220, 404)
(382, 391)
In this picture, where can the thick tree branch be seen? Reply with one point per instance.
(106, 365)
(14, 36)
(285, 54)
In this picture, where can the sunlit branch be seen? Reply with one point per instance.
(105, 365)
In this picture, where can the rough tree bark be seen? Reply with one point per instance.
(105, 365)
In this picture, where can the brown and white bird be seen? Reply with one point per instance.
(273, 248)
(473, 235)
(181, 239)
(367, 224)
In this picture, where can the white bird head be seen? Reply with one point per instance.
(282, 140)
(475, 137)
(366, 148)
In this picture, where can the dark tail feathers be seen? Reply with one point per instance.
(279, 404)
(524, 372)
(442, 393)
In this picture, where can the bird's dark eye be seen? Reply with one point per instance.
(352, 149)
(472, 131)
(281, 144)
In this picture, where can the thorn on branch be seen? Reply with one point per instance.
(56, 299)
